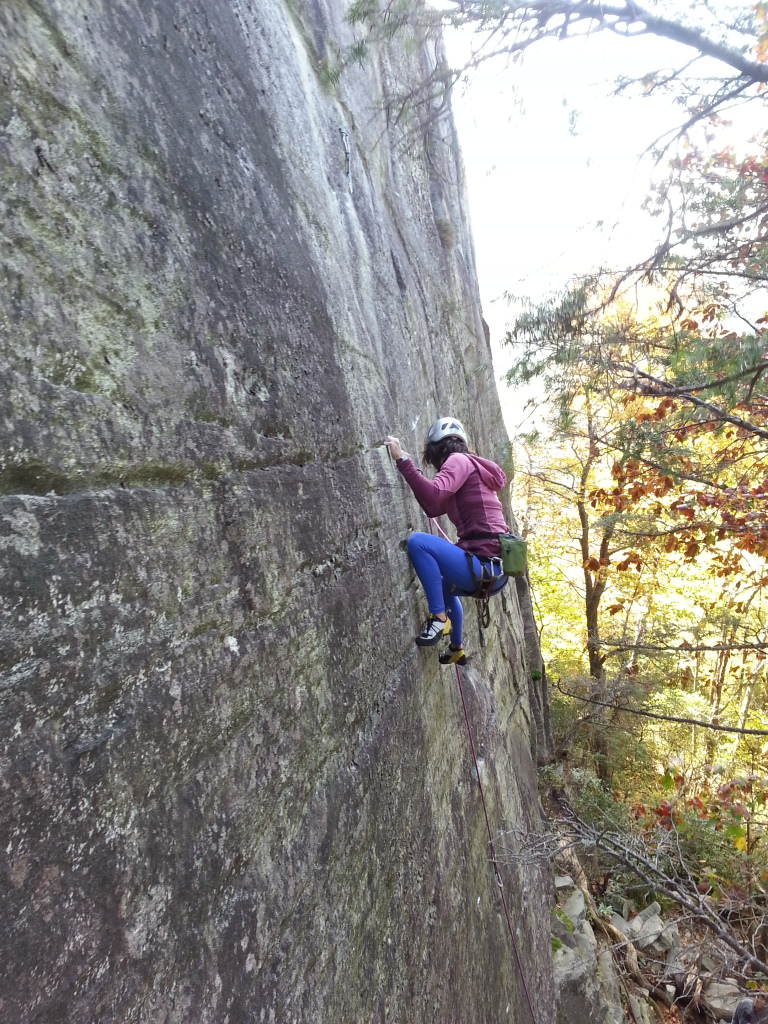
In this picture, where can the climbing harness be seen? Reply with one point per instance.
(494, 859)
(486, 582)
(514, 551)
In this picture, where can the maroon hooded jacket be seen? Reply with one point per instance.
(465, 491)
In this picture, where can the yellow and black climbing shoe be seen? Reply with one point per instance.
(453, 657)
(434, 630)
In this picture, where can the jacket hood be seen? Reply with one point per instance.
(492, 476)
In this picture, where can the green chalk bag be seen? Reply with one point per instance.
(514, 554)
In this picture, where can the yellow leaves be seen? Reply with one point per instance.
(760, 50)
(738, 836)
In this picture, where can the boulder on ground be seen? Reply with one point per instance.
(722, 997)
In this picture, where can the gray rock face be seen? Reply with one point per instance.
(585, 980)
(232, 788)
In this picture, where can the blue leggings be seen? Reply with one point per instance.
(443, 569)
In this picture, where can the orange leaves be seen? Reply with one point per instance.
(710, 312)
(729, 807)
(635, 482)
(691, 549)
(631, 559)
(667, 815)
(760, 50)
(595, 564)
(662, 410)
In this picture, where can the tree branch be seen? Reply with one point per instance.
(665, 718)
(638, 861)
(687, 650)
(757, 369)
(721, 414)
(540, 13)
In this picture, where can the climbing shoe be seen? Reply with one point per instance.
(433, 630)
(451, 657)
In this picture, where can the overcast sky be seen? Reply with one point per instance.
(554, 165)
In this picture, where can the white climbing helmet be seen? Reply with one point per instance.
(446, 427)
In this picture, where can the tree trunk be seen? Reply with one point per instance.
(595, 580)
(537, 677)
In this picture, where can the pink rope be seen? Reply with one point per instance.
(440, 530)
(495, 862)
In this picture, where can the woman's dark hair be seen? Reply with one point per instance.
(436, 452)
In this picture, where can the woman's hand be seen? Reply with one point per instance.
(393, 445)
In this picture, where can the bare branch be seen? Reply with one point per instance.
(688, 650)
(757, 369)
(632, 855)
(622, 19)
(664, 718)
(665, 387)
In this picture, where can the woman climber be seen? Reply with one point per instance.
(465, 490)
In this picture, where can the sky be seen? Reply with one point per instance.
(555, 167)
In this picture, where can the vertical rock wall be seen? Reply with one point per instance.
(232, 789)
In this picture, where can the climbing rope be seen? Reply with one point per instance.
(440, 530)
(494, 860)
(491, 845)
